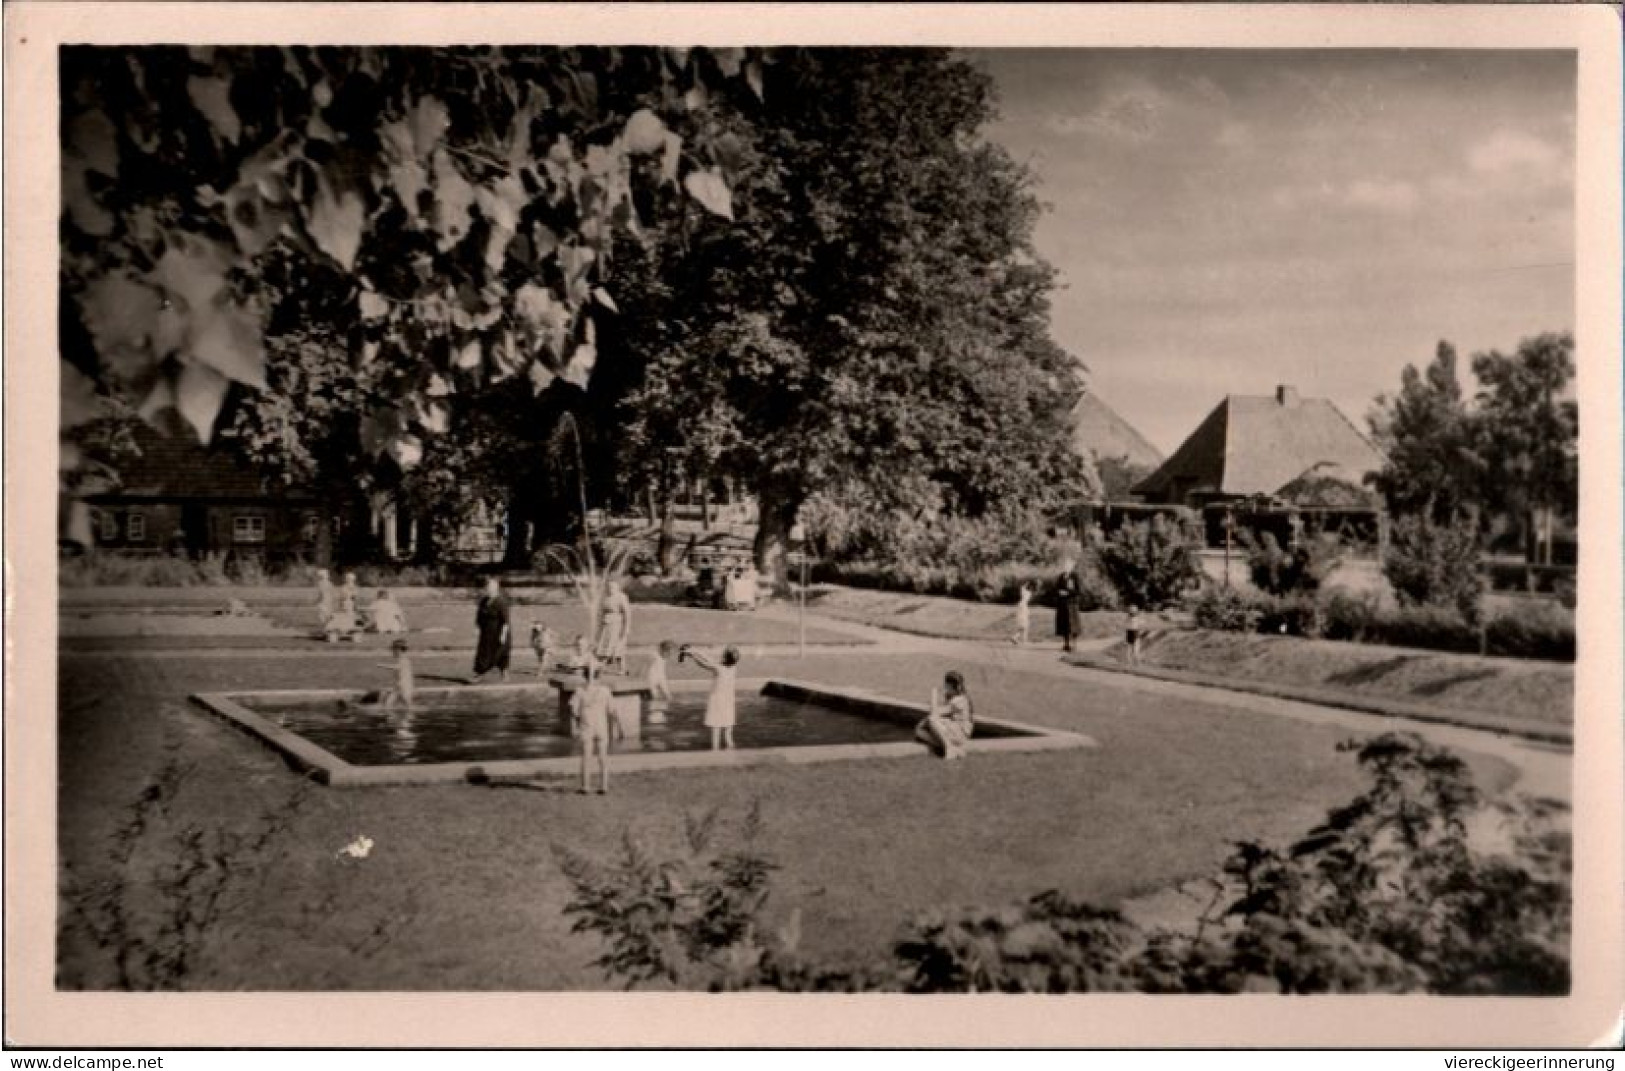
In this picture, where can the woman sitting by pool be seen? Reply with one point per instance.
(947, 729)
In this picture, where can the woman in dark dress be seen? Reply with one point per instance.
(1067, 590)
(496, 638)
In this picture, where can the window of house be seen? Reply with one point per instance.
(135, 528)
(247, 529)
(312, 529)
(107, 526)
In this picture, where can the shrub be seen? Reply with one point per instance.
(1386, 895)
(1298, 569)
(1223, 609)
(1150, 563)
(1542, 631)
(1347, 616)
(1433, 564)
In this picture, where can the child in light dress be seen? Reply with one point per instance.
(1133, 630)
(326, 603)
(947, 729)
(655, 680)
(345, 621)
(387, 616)
(589, 708)
(404, 692)
(720, 708)
(544, 641)
(1024, 615)
(579, 657)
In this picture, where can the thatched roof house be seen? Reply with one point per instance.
(1281, 445)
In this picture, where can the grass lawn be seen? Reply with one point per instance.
(961, 619)
(461, 891)
(1517, 687)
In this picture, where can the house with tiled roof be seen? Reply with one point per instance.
(178, 496)
(1280, 451)
(1119, 452)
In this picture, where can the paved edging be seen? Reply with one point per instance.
(1524, 728)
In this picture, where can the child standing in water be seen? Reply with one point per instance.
(655, 681)
(1024, 615)
(404, 690)
(590, 710)
(720, 709)
(949, 726)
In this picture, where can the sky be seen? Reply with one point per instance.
(1225, 221)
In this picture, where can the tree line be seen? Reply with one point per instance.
(501, 276)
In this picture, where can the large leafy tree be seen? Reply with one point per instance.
(874, 315)
(1528, 434)
(455, 208)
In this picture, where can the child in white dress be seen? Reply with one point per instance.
(1024, 615)
(720, 708)
(544, 641)
(387, 616)
(655, 680)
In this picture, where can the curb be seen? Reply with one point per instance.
(1539, 732)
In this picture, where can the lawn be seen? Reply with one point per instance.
(461, 890)
(927, 615)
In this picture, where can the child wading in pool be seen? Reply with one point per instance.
(720, 712)
(402, 693)
(947, 729)
(655, 680)
(590, 710)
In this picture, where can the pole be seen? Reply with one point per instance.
(802, 615)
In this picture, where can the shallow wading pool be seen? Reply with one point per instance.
(516, 731)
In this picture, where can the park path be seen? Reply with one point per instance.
(1544, 771)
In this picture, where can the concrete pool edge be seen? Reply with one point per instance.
(327, 768)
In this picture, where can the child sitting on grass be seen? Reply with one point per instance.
(947, 729)
(387, 616)
(589, 708)
(720, 708)
(655, 679)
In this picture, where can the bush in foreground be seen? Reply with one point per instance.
(1388, 894)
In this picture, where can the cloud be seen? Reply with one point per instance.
(1509, 150)
(1382, 195)
(1129, 116)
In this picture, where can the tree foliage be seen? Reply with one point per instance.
(461, 204)
(1427, 435)
(874, 312)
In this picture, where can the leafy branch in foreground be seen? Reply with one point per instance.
(1391, 893)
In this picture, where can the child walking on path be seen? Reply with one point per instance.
(947, 729)
(589, 708)
(655, 680)
(720, 709)
(1133, 629)
(1024, 615)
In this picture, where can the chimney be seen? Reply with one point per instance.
(1286, 396)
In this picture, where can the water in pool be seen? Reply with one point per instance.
(484, 726)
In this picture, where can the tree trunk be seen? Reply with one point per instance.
(666, 544)
(775, 517)
(324, 539)
(649, 504)
(427, 551)
(516, 552)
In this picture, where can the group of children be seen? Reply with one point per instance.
(339, 612)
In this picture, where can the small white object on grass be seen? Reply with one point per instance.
(359, 848)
